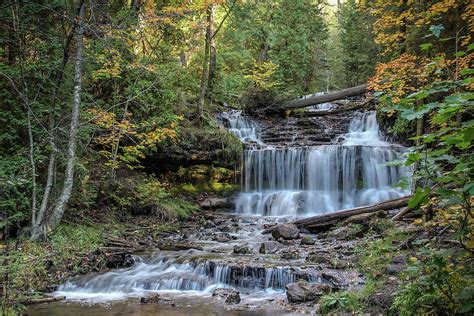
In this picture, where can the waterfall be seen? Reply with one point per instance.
(160, 273)
(241, 126)
(314, 180)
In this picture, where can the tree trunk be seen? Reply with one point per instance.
(205, 63)
(63, 199)
(332, 96)
(36, 225)
(357, 106)
(383, 206)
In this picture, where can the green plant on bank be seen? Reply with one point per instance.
(30, 267)
(339, 302)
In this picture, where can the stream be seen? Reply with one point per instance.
(279, 183)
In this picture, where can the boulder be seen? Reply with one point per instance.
(269, 247)
(215, 203)
(306, 240)
(243, 250)
(286, 231)
(300, 292)
(231, 296)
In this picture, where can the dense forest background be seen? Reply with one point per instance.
(107, 112)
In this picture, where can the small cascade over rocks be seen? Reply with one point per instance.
(302, 181)
(241, 126)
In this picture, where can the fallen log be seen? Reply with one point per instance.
(318, 99)
(383, 206)
(357, 106)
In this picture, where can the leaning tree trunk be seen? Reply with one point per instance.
(37, 221)
(58, 211)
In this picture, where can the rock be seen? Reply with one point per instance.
(306, 240)
(269, 247)
(231, 296)
(400, 259)
(363, 218)
(222, 237)
(151, 299)
(290, 254)
(304, 292)
(286, 231)
(119, 260)
(393, 269)
(317, 258)
(340, 264)
(243, 250)
(346, 232)
(215, 203)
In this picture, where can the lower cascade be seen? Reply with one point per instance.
(359, 170)
(160, 273)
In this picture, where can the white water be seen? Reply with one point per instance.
(276, 181)
(314, 180)
(177, 274)
(242, 127)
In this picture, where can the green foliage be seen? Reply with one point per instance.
(32, 267)
(434, 285)
(340, 302)
(355, 53)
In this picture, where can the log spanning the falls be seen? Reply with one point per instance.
(357, 106)
(333, 217)
(318, 99)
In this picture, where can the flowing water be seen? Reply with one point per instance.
(303, 181)
(276, 181)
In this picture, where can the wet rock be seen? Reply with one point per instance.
(300, 292)
(286, 231)
(231, 296)
(215, 203)
(269, 247)
(318, 258)
(306, 240)
(290, 254)
(243, 250)
(151, 299)
(119, 260)
(222, 237)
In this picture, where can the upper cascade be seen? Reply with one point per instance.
(364, 130)
(241, 126)
(302, 181)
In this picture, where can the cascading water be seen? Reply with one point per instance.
(175, 273)
(313, 180)
(242, 127)
(275, 181)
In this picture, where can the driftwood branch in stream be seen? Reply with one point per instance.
(383, 206)
(318, 99)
